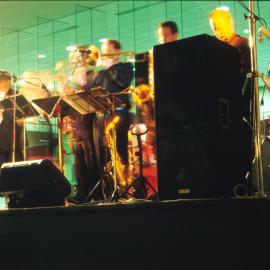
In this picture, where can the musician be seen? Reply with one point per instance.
(6, 124)
(167, 32)
(116, 77)
(82, 130)
(221, 23)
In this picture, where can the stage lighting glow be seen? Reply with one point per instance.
(21, 82)
(50, 86)
(71, 48)
(102, 40)
(41, 56)
(225, 8)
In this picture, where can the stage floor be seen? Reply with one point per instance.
(182, 234)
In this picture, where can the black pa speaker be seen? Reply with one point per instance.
(202, 149)
(142, 68)
(33, 183)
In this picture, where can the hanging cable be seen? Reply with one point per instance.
(257, 18)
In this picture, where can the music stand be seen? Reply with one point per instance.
(112, 103)
(81, 103)
(23, 109)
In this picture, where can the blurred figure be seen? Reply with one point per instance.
(6, 124)
(221, 23)
(82, 130)
(83, 60)
(167, 32)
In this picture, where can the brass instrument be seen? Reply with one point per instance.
(151, 70)
(125, 56)
(142, 94)
(125, 53)
(131, 162)
(121, 175)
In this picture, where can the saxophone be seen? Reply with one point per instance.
(121, 175)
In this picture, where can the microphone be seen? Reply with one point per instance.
(14, 77)
(84, 51)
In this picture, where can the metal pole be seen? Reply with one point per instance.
(24, 139)
(256, 102)
(60, 143)
(14, 121)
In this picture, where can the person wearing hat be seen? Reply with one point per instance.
(6, 124)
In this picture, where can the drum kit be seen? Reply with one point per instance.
(28, 104)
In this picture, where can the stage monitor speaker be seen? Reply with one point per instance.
(33, 183)
(203, 149)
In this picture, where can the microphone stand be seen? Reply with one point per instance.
(256, 103)
(57, 109)
(14, 119)
(42, 86)
(64, 88)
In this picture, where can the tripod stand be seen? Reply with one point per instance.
(109, 169)
(140, 181)
(111, 172)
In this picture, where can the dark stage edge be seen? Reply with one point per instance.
(182, 234)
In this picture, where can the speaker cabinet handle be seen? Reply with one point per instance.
(224, 113)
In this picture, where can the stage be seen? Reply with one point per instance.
(182, 234)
